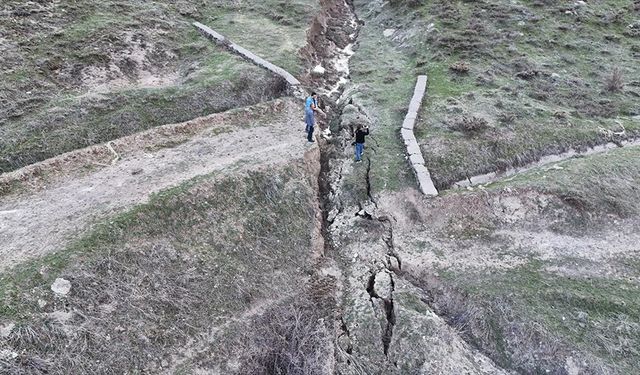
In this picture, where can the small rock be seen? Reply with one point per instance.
(61, 317)
(61, 286)
(383, 285)
(394, 265)
(42, 303)
(5, 331)
(318, 70)
(388, 32)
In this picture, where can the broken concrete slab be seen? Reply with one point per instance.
(424, 180)
(413, 149)
(408, 124)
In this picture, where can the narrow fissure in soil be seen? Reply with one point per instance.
(330, 39)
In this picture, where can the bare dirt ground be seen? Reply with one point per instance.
(519, 249)
(506, 230)
(38, 222)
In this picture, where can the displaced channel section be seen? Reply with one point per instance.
(413, 149)
(253, 58)
(330, 44)
(491, 177)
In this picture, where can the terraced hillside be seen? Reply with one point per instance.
(79, 73)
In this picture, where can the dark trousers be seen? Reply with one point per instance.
(310, 133)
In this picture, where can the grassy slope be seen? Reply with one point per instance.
(527, 118)
(275, 30)
(597, 315)
(46, 109)
(573, 48)
(599, 183)
(385, 81)
(155, 277)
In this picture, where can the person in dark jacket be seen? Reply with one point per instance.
(361, 132)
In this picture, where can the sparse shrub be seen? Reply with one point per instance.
(613, 82)
(614, 17)
(470, 124)
(527, 74)
(460, 67)
(288, 340)
(562, 115)
(506, 118)
(633, 30)
(410, 3)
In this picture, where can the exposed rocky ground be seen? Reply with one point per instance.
(226, 245)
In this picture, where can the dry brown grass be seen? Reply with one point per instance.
(291, 338)
(146, 283)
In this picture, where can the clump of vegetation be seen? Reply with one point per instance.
(410, 3)
(506, 118)
(527, 74)
(470, 125)
(291, 339)
(460, 67)
(613, 82)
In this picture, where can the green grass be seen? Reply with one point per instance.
(51, 109)
(443, 85)
(386, 94)
(499, 39)
(598, 316)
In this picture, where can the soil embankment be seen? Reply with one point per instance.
(38, 222)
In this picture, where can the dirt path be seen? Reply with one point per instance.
(34, 224)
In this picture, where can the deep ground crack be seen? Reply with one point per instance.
(368, 182)
(387, 307)
(390, 314)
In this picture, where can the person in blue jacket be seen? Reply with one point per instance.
(310, 108)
